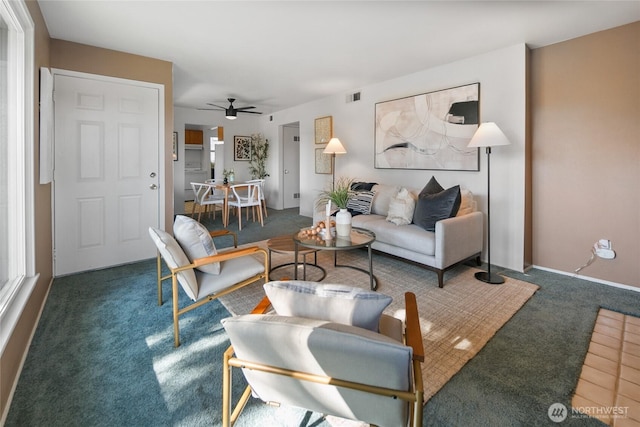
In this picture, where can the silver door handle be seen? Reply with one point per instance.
(153, 186)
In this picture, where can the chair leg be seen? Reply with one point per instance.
(264, 206)
(239, 218)
(159, 269)
(176, 327)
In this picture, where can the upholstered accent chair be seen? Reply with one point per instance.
(325, 366)
(203, 273)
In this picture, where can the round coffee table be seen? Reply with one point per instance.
(285, 245)
(358, 238)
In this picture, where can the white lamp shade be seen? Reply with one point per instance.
(334, 147)
(488, 135)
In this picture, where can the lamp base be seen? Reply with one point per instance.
(490, 278)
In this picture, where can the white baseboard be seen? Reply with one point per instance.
(590, 279)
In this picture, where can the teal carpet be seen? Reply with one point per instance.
(102, 355)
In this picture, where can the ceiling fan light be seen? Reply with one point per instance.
(231, 114)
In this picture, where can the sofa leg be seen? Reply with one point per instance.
(440, 278)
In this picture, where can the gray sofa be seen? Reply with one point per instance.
(454, 240)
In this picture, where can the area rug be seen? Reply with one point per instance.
(456, 321)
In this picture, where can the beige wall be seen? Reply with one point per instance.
(13, 353)
(72, 56)
(88, 59)
(586, 153)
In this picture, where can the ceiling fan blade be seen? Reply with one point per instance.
(214, 105)
(248, 112)
(245, 108)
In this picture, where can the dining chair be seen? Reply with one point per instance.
(204, 196)
(247, 195)
(262, 196)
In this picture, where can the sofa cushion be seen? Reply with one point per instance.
(410, 237)
(360, 202)
(195, 241)
(175, 257)
(401, 208)
(432, 208)
(335, 303)
(384, 194)
(432, 187)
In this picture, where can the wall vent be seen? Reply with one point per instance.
(353, 97)
(296, 195)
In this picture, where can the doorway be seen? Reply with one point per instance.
(291, 165)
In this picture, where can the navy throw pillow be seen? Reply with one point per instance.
(431, 208)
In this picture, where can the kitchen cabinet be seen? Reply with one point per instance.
(192, 136)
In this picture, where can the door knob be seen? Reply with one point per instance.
(152, 174)
(153, 186)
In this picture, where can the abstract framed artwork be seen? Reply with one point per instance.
(323, 129)
(323, 162)
(429, 131)
(242, 148)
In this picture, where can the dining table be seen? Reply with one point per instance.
(226, 188)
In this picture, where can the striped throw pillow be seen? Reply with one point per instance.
(360, 202)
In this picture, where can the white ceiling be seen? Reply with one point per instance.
(276, 55)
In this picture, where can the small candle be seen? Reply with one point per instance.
(328, 208)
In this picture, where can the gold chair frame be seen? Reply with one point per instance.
(415, 396)
(221, 256)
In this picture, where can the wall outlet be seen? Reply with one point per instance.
(602, 249)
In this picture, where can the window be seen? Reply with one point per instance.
(17, 264)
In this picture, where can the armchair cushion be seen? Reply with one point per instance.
(175, 257)
(334, 303)
(195, 241)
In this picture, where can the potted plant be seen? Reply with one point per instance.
(339, 195)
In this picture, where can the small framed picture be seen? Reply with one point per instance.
(242, 148)
(323, 129)
(323, 162)
(175, 146)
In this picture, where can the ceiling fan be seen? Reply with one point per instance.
(231, 112)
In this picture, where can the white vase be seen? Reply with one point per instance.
(343, 223)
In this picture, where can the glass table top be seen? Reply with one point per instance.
(358, 238)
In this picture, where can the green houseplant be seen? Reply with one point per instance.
(259, 154)
(338, 195)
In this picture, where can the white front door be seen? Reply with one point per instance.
(107, 174)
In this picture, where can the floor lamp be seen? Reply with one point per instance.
(334, 147)
(488, 135)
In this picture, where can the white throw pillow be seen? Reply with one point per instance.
(195, 241)
(175, 257)
(401, 208)
(335, 303)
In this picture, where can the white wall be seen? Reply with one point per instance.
(502, 77)
(243, 125)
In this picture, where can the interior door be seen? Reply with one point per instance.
(107, 172)
(291, 165)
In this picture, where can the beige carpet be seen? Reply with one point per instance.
(456, 321)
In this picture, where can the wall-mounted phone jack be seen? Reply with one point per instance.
(601, 249)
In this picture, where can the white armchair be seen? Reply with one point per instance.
(203, 273)
(328, 367)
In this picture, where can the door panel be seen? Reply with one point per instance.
(106, 173)
(291, 164)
